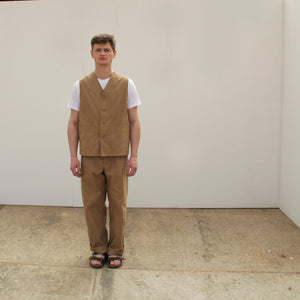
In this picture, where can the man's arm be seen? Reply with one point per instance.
(135, 132)
(73, 134)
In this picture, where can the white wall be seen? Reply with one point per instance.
(290, 173)
(209, 75)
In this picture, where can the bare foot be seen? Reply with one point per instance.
(117, 262)
(97, 263)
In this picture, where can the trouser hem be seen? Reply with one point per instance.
(99, 250)
(114, 252)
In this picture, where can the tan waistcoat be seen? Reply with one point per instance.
(103, 118)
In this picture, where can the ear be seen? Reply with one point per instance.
(115, 53)
(92, 53)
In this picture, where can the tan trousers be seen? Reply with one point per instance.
(101, 175)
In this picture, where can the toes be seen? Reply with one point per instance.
(116, 262)
(96, 263)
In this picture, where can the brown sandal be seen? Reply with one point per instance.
(113, 258)
(102, 260)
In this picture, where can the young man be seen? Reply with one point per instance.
(104, 119)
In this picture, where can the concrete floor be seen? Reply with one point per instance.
(170, 254)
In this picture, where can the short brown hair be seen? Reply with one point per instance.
(103, 39)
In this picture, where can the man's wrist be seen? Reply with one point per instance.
(133, 156)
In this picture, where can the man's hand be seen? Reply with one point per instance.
(75, 167)
(131, 166)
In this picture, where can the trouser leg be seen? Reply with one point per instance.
(117, 187)
(93, 188)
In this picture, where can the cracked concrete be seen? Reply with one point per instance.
(169, 254)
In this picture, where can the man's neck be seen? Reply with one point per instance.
(103, 72)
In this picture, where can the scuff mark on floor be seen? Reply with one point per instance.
(107, 284)
(204, 229)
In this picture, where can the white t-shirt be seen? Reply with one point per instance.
(133, 97)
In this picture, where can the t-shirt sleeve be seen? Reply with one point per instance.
(75, 97)
(133, 96)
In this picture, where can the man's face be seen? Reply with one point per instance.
(103, 54)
